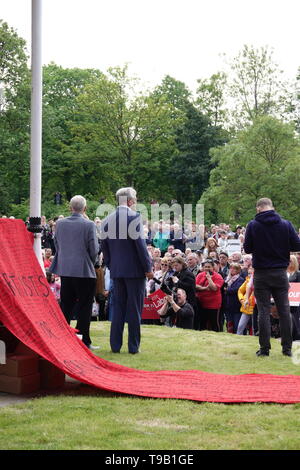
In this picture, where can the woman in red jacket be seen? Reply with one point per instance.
(208, 291)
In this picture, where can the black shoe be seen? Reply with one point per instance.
(115, 352)
(262, 352)
(134, 352)
(288, 353)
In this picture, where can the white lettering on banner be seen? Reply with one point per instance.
(2, 352)
(294, 294)
(158, 303)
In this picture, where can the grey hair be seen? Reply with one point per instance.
(125, 194)
(78, 203)
(193, 254)
(237, 253)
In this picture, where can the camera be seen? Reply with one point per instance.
(166, 289)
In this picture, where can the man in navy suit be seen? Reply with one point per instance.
(125, 254)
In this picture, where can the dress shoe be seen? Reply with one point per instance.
(133, 352)
(115, 352)
(288, 353)
(262, 352)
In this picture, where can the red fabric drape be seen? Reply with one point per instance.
(29, 310)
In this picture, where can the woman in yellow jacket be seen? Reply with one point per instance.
(246, 297)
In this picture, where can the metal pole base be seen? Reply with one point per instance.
(34, 225)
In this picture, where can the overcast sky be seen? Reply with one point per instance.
(182, 38)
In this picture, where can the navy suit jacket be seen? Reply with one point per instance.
(124, 248)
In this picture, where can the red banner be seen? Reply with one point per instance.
(29, 310)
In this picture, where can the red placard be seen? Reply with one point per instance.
(294, 294)
(152, 303)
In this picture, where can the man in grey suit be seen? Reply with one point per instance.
(77, 247)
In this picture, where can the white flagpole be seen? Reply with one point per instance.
(36, 127)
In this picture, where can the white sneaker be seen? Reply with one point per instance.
(93, 348)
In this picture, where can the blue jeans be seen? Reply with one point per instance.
(234, 318)
(243, 323)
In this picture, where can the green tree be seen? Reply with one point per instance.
(14, 118)
(261, 161)
(173, 92)
(13, 62)
(128, 135)
(191, 165)
(256, 85)
(195, 135)
(211, 98)
(61, 88)
(296, 107)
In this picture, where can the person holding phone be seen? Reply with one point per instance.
(208, 291)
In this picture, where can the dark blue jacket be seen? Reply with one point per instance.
(232, 303)
(123, 246)
(270, 239)
(178, 243)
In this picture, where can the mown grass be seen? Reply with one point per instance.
(88, 418)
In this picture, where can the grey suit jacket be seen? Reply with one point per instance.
(76, 247)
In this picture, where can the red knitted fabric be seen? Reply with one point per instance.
(29, 310)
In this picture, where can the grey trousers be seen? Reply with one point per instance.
(273, 283)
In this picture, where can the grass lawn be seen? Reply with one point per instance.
(88, 418)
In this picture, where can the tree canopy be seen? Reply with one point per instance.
(262, 161)
(233, 141)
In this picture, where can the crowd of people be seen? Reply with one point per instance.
(203, 278)
(207, 285)
(220, 289)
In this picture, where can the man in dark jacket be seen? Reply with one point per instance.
(183, 279)
(181, 312)
(270, 239)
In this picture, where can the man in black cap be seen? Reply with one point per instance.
(270, 239)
